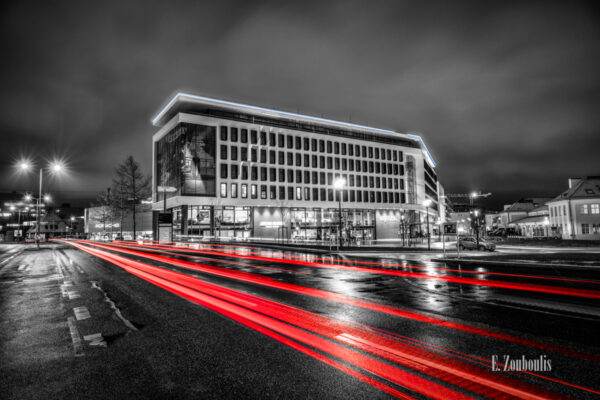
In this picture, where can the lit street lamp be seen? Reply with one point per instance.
(56, 168)
(339, 184)
(427, 203)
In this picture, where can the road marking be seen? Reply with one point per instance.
(95, 339)
(548, 306)
(81, 313)
(73, 295)
(114, 307)
(75, 337)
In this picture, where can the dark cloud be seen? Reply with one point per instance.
(505, 94)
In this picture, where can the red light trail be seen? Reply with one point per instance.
(340, 298)
(231, 303)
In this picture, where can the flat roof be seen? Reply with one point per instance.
(179, 102)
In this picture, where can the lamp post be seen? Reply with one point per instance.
(427, 203)
(339, 184)
(55, 167)
(476, 214)
(403, 227)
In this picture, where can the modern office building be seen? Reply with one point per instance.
(236, 170)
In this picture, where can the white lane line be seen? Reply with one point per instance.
(81, 313)
(73, 295)
(75, 337)
(548, 305)
(114, 307)
(95, 339)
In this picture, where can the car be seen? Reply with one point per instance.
(470, 243)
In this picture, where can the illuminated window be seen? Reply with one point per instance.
(234, 190)
(595, 208)
(244, 189)
(584, 208)
(223, 190)
(253, 191)
(298, 193)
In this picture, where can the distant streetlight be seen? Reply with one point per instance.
(339, 184)
(427, 203)
(27, 197)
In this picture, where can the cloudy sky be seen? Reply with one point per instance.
(506, 94)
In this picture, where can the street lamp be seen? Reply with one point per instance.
(427, 203)
(339, 184)
(476, 214)
(55, 167)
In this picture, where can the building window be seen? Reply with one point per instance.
(223, 133)
(234, 190)
(585, 229)
(298, 160)
(273, 192)
(281, 140)
(253, 137)
(234, 153)
(253, 155)
(254, 173)
(298, 193)
(223, 152)
(263, 138)
(263, 156)
(290, 193)
(244, 189)
(223, 190)
(234, 171)
(584, 208)
(298, 143)
(595, 208)
(234, 134)
(281, 192)
(313, 144)
(263, 174)
(298, 176)
(244, 136)
(306, 193)
(281, 175)
(290, 142)
(244, 154)
(315, 194)
(263, 192)
(224, 171)
(272, 159)
(253, 191)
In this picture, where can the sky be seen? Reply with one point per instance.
(505, 94)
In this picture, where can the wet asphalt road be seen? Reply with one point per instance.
(138, 339)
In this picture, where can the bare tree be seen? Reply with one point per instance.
(131, 186)
(119, 204)
(104, 212)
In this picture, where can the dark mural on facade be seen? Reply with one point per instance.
(186, 160)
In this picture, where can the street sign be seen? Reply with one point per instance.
(165, 218)
(450, 228)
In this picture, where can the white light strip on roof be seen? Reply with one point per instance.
(178, 96)
(424, 147)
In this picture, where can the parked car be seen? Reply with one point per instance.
(470, 243)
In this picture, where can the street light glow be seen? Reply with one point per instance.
(339, 183)
(474, 194)
(27, 197)
(427, 202)
(56, 167)
(24, 165)
(47, 197)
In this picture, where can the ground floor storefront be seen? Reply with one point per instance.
(296, 224)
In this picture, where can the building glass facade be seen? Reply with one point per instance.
(242, 173)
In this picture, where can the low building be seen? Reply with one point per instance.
(101, 223)
(575, 213)
(535, 225)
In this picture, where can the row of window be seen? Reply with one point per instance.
(585, 229)
(306, 160)
(272, 192)
(304, 176)
(584, 209)
(307, 144)
(593, 208)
